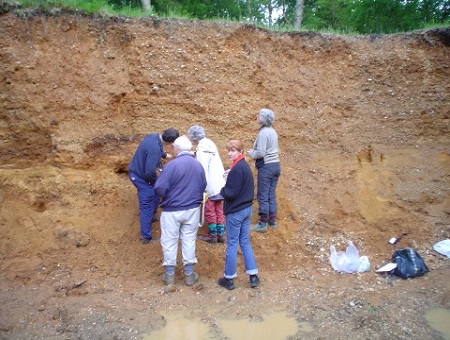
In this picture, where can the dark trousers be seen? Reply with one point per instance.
(148, 204)
(268, 176)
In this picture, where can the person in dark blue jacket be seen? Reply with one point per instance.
(143, 174)
(238, 194)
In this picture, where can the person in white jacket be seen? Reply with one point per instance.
(207, 154)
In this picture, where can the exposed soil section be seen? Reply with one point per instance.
(364, 132)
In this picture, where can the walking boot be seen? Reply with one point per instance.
(149, 240)
(210, 238)
(220, 233)
(168, 279)
(254, 281)
(191, 279)
(273, 221)
(226, 283)
(261, 227)
(212, 234)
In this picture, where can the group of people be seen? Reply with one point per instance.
(180, 187)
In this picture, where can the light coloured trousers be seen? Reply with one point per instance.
(179, 225)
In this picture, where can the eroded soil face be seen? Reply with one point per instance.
(363, 126)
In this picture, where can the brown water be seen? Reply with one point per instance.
(180, 327)
(439, 320)
(273, 325)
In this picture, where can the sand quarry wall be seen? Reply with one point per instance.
(363, 123)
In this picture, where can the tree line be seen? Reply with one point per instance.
(346, 16)
(340, 16)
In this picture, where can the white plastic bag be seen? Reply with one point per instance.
(364, 264)
(350, 261)
(443, 247)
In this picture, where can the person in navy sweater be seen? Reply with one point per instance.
(181, 186)
(238, 194)
(143, 174)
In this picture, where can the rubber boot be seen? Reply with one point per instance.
(220, 233)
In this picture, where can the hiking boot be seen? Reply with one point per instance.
(168, 279)
(273, 225)
(210, 238)
(226, 283)
(191, 279)
(260, 227)
(149, 240)
(221, 238)
(254, 281)
(146, 240)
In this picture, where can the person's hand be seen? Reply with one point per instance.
(225, 174)
(168, 156)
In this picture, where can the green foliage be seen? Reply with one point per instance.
(119, 4)
(443, 24)
(84, 5)
(205, 9)
(373, 16)
(338, 16)
(435, 10)
(385, 16)
(130, 8)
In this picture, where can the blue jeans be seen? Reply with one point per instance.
(268, 176)
(148, 203)
(238, 233)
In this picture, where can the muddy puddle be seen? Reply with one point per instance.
(439, 320)
(275, 325)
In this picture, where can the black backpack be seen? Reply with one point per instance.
(409, 263)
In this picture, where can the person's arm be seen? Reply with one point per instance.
(151, 165)
(260, 146)
(232, 186)
(162, 184)
(204, 158)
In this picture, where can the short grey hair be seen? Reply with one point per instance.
(196, 133)
(182, 143)
(266, 117)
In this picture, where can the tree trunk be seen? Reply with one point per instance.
(249, 10)
(298, 14)
(283, 6)
(146, 5)
(270, 10)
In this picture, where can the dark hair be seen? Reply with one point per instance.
(170, 135)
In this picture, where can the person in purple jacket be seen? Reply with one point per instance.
(181, 186)
(142, 172)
